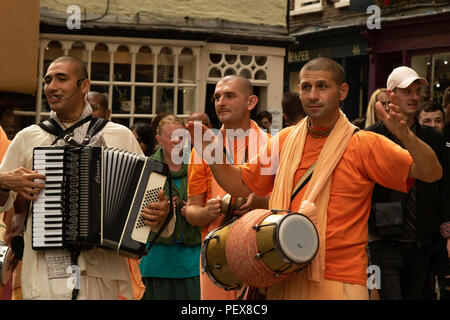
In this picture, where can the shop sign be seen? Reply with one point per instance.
(238, 48)
(331, 52)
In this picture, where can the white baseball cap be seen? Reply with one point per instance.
(402, 77)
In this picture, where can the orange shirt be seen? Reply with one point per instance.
(4, 143)
(199, 177)
(369, 158)
(5, 291)
(201, 180)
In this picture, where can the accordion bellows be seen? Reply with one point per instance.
(93, 196)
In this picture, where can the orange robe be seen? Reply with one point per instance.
(136, 280)
(5, 291)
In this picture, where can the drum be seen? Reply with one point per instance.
(214, 261)
(229, 204)
(5, 263)
(266, 247)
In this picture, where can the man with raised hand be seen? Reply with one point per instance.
(337, 197)
(404, 226)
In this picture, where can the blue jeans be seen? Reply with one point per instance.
(405, 269)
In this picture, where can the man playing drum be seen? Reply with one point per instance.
(234, 100)
(337, 197)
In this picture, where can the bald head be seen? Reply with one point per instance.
(99, 98)
(99, 104)
(201, 116)
(79, 67)
(245, 86)
(326, 64)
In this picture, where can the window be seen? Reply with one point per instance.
(435, 67)
(341, 3)
(249, 66)
(140, 79)
(306, 6)
(142, 76)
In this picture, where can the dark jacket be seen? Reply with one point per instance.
(447, 132)
(432, 199)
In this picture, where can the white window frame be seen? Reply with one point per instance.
(113, 43)
(306, 6)
(341, 3)
(273, 84)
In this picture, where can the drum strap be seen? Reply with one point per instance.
(303, 181)
(306, 177)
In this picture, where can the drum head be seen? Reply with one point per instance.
(5, 264)
(298, 239)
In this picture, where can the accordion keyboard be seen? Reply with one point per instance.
(47, 209)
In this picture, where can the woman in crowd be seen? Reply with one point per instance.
(171, 269)
(144, 135)
(378, 95)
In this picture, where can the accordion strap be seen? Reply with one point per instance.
(52, 127)
(74, 254)
(96, 125)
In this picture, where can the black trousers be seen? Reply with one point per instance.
(405, 269)
(440, 267)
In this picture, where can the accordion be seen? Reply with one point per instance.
(93, 196)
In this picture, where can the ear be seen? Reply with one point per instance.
(108, 114)
(158, 139)
(252, 101)
(343, 89)
(85, 86)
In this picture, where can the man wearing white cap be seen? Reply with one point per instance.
(404, 227)
(403, 88)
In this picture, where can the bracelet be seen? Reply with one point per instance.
(445, 230)
(4, 190)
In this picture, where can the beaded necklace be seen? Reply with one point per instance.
(315, 133)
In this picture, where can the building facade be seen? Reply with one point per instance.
(415, 34)
(149, 57)
(370, 38)
(330, 29)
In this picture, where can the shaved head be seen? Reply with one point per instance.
(80, 69)
(326, 64)
(200, 116)
(245, 86)
(102, 101)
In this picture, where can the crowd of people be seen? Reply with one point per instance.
(378, 192)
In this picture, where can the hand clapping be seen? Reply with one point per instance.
(155, 212)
